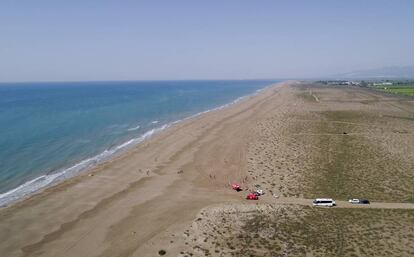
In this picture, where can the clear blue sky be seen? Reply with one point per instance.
(223, 39)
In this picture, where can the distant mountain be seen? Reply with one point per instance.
(392, 72)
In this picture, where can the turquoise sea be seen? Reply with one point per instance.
(51, 131)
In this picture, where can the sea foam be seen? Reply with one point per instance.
(44, 181)
(134, 128)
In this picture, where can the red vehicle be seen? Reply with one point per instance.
(252, 196)
(236, 187)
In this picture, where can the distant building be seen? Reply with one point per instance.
(383, 84)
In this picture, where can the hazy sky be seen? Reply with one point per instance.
(223, 39)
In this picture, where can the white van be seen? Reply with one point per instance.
(328, 202)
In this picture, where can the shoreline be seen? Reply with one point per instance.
(165, 193)
(51, 179)
(155, 187)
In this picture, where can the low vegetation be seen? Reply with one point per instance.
(351, 162)
(402, 89)
(300, 230)
(348, 152)
(348, 144)
(307, 96)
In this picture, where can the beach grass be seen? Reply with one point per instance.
(349, 144)
(302, 230)
(347, 152)
(307, 96)
(351, 164)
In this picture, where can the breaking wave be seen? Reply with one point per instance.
(50, 179)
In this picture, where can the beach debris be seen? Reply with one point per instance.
(236, 187)
(162, 252)
(252, 196)
(180, 172)
(90, 175)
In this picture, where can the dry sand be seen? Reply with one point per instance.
(148, 199)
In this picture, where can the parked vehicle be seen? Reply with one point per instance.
(236, 187)
(252, 196)
(258, 192)
(358, 201)
(327, 202)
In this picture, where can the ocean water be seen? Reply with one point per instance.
(51, 131)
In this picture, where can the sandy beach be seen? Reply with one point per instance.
(284, 139)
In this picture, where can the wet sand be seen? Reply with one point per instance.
(144, 200)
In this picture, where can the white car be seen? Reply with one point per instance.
(353, 201)
(358, 201)
(327, 202)
(258, 192)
